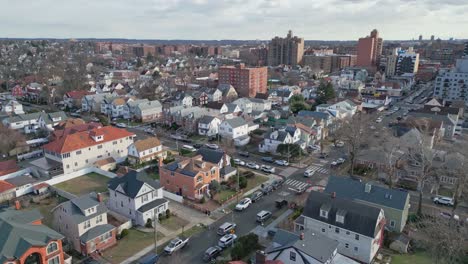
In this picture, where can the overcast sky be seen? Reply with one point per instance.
(233, 19)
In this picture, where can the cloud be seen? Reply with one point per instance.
(233, 19)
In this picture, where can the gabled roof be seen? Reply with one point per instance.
(8, 166)
(144, 144)
(96, 231)
(206, 119)
(77, 206)
(211, 155)
(360, 218)
(236, 122)
(132, 182)
(5, 186)
(347, 188)
(214, 105)
(18, 234)
(149, 105)
(314, 114)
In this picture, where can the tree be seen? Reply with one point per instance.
(149, 57)
(214, 186)
(139, 63)
(10, 139)
(244, 246)
(325, 92)
(393, 155)
(289, 150)
(242, 182)
(297, 103)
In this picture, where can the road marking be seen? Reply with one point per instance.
(315, 169)
(296, 184)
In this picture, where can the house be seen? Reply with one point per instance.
(273, 138)
(130, 107)
(260, 105)
(149, 111)
(92, 102)
(106, 105)
(117, 106)
(214, 95)
(137, 197)
(340, 110)
(73, 99)
(13, 107)
(199, 98)
(83, 221)
(230, 110)
(189, 177)
(8, 166)
(82, 149)
(146, 150)
(208, 126)
(234, 128)
(27, 123)
(7, 191)
(70, 126)
(182, 99)
(47, 121)
(244, 104)
(358, 228)
(305, 247)
(228, 93)
(216, 156)
(395, 203)
(26, 240)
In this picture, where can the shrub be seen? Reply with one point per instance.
(244, 246)
(124, 233)
(168, 213)
(203, 200)
(242, 182)
(160, 216)
(149, 223)
(214, 186)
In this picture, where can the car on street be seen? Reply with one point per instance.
(443, 200)
(281, 162)
(211, 253)
(151, 258)
(212, 146)
(298, 190)
(227, 240)
(314, 147)
(267, 169)
(372, 128)
(253, 165)
(308, 173)
(323, 155)
(256, 196)
(263, 215)
(189, 148)
(75, 115)
(226, 228)
(277, 183)
(239, 162)
(267, 189)
(378, 120)
(339, 144)
(121, 125)
(334, 163)
(268, 159)
(244, 154)
(340, 161)
(448, 215)
(176, 244)
(243, 204)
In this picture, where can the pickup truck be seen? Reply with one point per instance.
(176, 244)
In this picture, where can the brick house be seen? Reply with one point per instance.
(189, 177)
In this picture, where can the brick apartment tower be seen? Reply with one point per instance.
(287, 50)
(247, 81)
(369, 50)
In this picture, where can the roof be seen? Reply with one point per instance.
(214, 105)
(206, 119)
(147, 143)
(132, 182)
(8, 166)
(227, 170)
(71, 122)
(19, 234)
(106, 161)
(96, 231)
(314, 245)
(78, 94)
(83, 139)
(236, 122)
(77, 206)
(211, 155)
(345, 187)
(360, 218)
(118, 101)
(5, 186)
(149, 105)
(262, 96)
(49, 116)
(307, 113)
(153, 204)
(190, 166)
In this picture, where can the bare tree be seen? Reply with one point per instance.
(10, 139)
(393, 157)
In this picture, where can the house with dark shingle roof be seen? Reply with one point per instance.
(24, 239)
(83, 221)
(137, 196)
(358, 227)
(208, 125)
(274, 137)
(395, 203)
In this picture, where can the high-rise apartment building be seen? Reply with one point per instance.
(287, 50)
(369, 50)
(247, 81)
(407, 62)
(390, 67)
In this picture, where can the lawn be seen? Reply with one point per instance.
(129, 245)
(223, 195)
(255, 181)
(45, 207)
(417, 258)
(153, 175)
(91, 182)
(174, 223)
(126, 122)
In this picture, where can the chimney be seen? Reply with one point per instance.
(368, 188)
(17, 205)
(260, 257)
(333, 195)
(301, 236)
(99, 197)
(161, 162)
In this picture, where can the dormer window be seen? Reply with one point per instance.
(340, 216)
(324, 210)
(323, 213)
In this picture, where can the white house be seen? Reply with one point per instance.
(244, 104)
(234, 128)
(149, 111)
(137, 197)
(145, 150)
(208, 126)
(340, 110)
(47, 121)
(357, 227)
(260, 105)
(13, 107)
(274, 138)
(118, 105)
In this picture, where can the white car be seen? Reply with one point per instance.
(314, 147)
(340, 161)
(443, 200)
(227, 240)
(268, 169)
(334, 163)
(121, 125)
(243, 204)
(378, 120)
(253, 165)
(239, 162)
(212, 146)
(372, 128)
(339, 144)
(308, 173)
(281, 162)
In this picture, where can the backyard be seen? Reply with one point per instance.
(129, 245)
(91, 182)
(417, 258)
(45, 207)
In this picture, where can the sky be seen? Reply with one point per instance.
(233, 19)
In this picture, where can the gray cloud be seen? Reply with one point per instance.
(233, 19)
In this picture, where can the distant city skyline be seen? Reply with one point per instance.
(234, 19)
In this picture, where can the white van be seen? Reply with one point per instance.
(263, 216)
(226, 228)
(189, 148)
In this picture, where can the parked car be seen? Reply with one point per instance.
(443, 200)
(226, 228)
(448, 215)
(314, 147)
(282, 162)
(323, 155)
(95, 119)
(212, 146)
(268, 159)
(280, 203)
(121, 125)
(378, 120)
(211, 253)
(263, 215)
(243, 204)
(340, 161)
(277, 183)
(75, 115)
(256, 196)
(268, 169)
(239, 162)
(267, 189)
(339, 144)
(253, 165)
(227, 240)
(244, 154)
(308, 173)
(151, 258)
(189, 148)
(298, 190)
(372, 128)
(334, 163)
(176, 244)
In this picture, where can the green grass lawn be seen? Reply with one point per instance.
(255, 181)
(174, 223)
(125, 121)
(222, 196)
(153, 175)
(129, 245)
(417, 258)
(91, 182)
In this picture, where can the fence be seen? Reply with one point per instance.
(63, 193)
(29, 155)
(173, 196)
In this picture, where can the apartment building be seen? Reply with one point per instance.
(289, 50)
(247, 81)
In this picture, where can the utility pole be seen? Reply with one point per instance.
(155, 222)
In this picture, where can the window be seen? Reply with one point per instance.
(323, 230)
(68, 166)
(99, 219)
(52, 247)
(86, 161)
(76, 164)
(392, 223)
(337, 230)
(356, 237)
(114, 143)
(99, 146)
(324, 213)
(346, 245)
(78, 152)
(87, 224)
(292, 256)
(121, 203)
(54, 260)
(356, 249)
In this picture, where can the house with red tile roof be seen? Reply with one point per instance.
(79, 150)
(73, 99)
(7, 191)
(8, 166)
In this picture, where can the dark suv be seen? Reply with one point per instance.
(256, 196)
(211, 253)
(244, 154)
